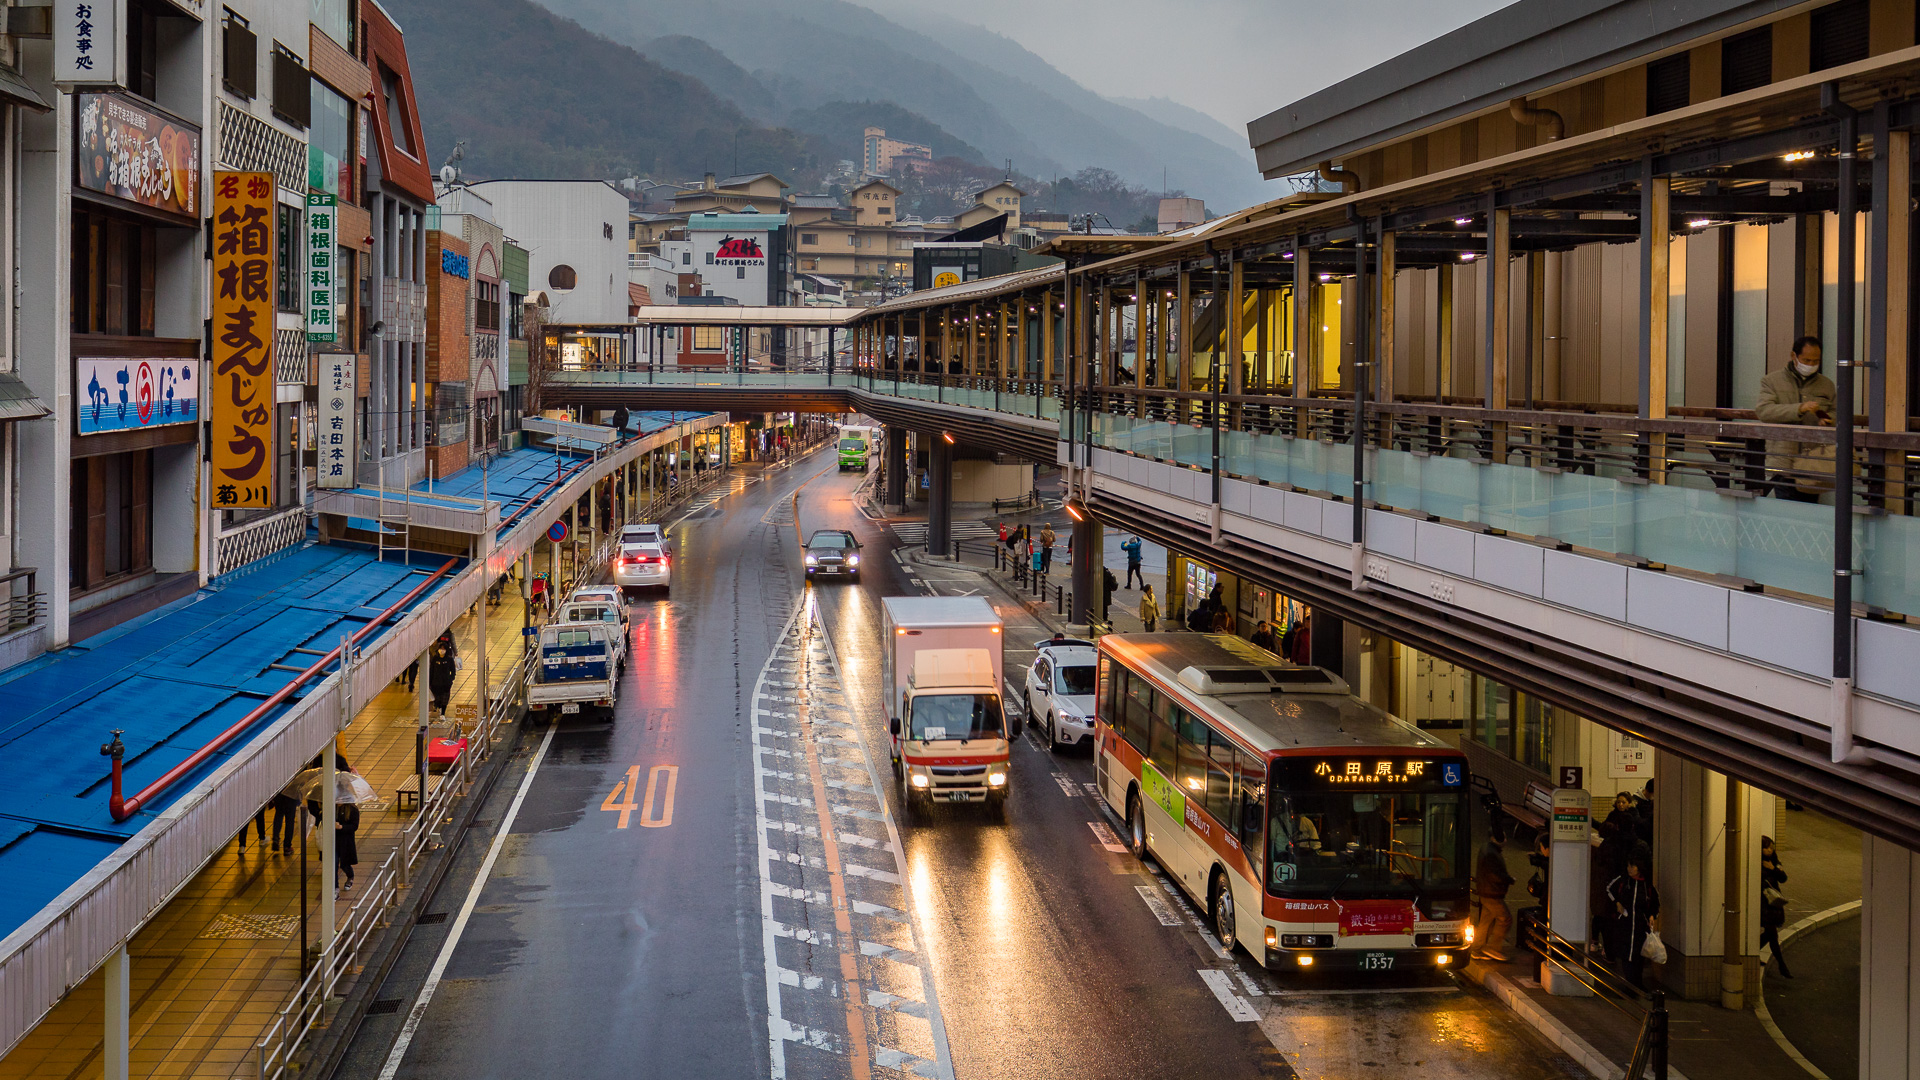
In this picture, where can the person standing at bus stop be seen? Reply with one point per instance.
(1491, 880)
(1047, 538)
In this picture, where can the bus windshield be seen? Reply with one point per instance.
(957, 716)
(1356, 844)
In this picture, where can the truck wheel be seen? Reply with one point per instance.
(997, 809)
(1220, 908)
(1136, 827)
(906, 797)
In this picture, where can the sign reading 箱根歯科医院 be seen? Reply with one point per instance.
(123, 393)
(322, 305)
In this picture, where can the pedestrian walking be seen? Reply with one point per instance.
(286, 809)
(1636, 904)
(440, 676)
(1006, 540)
(1491, 880)
(346, 826)
(1132, 548)
(259, 826)
(1047, 538)
(411, 675)
(1107, 584)
(1773, 903)
(1149, 608)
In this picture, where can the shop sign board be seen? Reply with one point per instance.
(321, 306)
(241, 397)
(335, 443)
(134, 393)
(127, 149)
(87, 47)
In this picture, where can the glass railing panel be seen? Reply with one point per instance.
(1889, 547)
(1591, 512)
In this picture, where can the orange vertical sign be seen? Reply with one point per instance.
(241, 390)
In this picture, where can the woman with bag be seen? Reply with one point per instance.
(1633, 940)
(1773, 904)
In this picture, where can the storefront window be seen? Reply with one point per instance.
(330, 141)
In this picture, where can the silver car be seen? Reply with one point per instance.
(1060, 691)
(643, 566)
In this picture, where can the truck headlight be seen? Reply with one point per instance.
(998, 779)
(918, 780)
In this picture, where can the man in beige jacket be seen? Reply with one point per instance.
(1798, 393)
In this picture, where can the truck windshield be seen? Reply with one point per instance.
(1074, 681)
(853, 445)
(957, 716)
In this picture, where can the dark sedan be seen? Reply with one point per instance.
(832, 552)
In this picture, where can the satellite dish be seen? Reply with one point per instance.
(448, 174)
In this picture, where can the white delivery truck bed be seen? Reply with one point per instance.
(915, 624)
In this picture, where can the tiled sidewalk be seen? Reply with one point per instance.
(211, 969)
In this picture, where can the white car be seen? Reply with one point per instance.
(605, 594)
(646, 534)
(643, 566)
(1060, 691)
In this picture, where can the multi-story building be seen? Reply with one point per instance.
(1001, 198)
(399, 189)
(467, 215)
(761, 192)
(575, 235)
(882, 156)
(859, 242)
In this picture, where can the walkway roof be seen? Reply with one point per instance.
(1521, 49)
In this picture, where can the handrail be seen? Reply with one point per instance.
(122, 809)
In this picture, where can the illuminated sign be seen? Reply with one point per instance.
(130, 150)
(322, 304)
(1385, 772)
(86, 42)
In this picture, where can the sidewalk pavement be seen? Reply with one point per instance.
(212, 969)
(1708, 1042)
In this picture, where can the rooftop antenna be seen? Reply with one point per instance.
(450, 169)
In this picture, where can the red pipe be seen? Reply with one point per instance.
(124, 809)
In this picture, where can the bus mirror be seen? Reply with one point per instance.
(893, 725)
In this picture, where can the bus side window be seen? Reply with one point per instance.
(1103, 693)
(1192, 768)
(1250, 792)
(1163, 743)
(1139, 711)
(1220, 779)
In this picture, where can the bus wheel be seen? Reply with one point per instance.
(1220, 907)
(1136, 827)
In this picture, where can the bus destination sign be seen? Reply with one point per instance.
(1387, 772)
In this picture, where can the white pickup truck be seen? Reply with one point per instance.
(578, 667)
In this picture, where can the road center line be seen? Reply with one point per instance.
(419, 1010)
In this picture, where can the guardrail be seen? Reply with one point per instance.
(1573, 960)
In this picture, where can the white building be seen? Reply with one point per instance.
(575, 233)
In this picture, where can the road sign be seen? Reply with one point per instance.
(1573, 776)
(557, 531)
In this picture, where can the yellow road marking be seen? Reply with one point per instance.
(649, 820)
(629, 784)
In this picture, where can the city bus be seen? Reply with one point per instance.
(1314, 828)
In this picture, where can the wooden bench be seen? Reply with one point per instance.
(1535, 807)
(409, 791)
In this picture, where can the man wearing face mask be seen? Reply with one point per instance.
(1796, 394)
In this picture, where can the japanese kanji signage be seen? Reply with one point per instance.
(322, 312)
(334, 444)
(130, 150)
(127, 393)
(241, 393)
(86, 42)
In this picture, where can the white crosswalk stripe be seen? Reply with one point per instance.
(915, 532)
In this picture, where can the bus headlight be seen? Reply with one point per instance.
(918, 780)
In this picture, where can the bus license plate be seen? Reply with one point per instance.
(569, 706)
(1376, 961)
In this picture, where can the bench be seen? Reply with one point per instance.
(1535, 807)
(407, 795)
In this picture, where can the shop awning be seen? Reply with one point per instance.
(16, 89)
(17, 401)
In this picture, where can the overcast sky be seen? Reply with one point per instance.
(1232, 59)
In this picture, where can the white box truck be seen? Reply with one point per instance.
(949, 725)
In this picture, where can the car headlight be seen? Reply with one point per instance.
(812, 561)
(998, 779)
(853, 560)
(918, 780)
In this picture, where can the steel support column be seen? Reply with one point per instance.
(939, 494)
(1303, 365)
(896, 470)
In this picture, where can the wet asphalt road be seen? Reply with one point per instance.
(806, 934)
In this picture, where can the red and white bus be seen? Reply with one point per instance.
(1314, 828)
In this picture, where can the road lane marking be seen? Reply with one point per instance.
(1104, 833)
(1222, 986)
(1067, 786)
(419, 1010)
(648, 819)
(628, 783)
(1159, 906)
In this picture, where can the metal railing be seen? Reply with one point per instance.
(256, 539)
(26, 604)
(1651, 1045)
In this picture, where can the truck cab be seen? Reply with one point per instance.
(577, 668)
(950, 741)
(855, 445)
